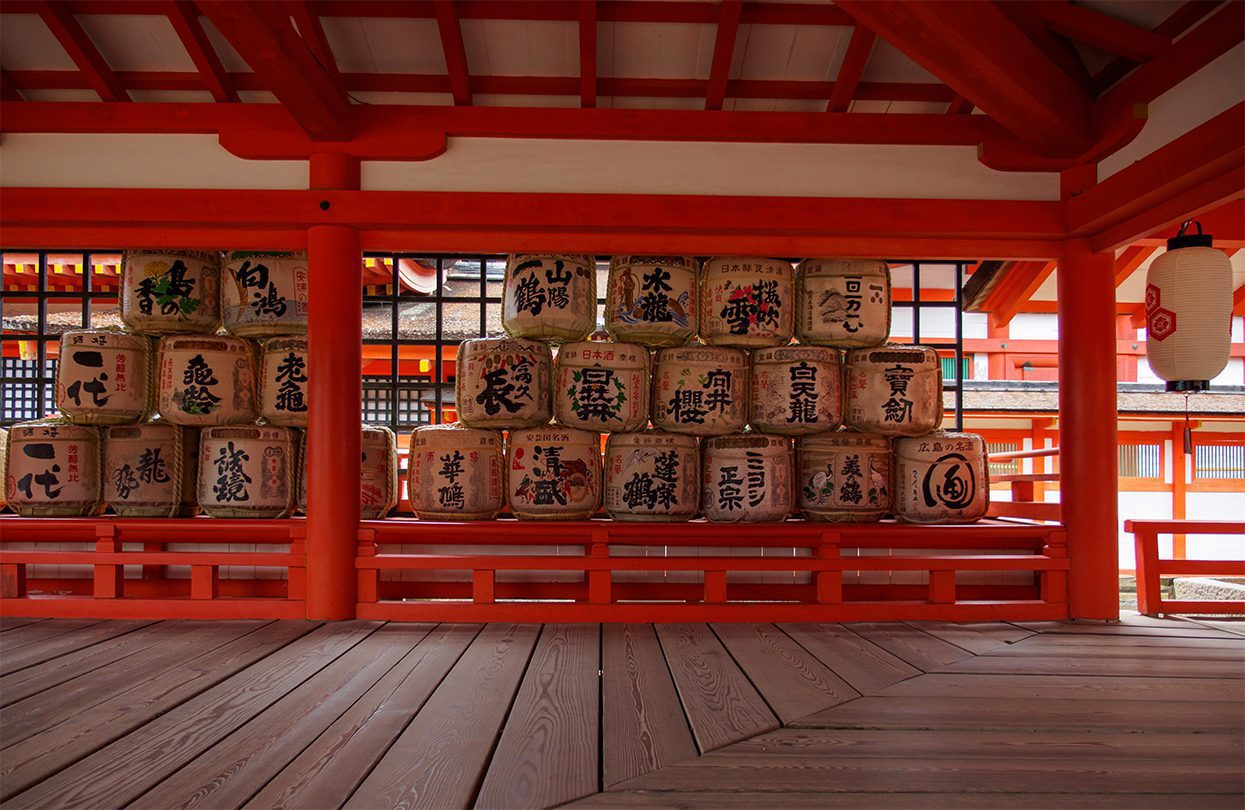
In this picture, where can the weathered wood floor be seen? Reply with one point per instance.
(102, 714)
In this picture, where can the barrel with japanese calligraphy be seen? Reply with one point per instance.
(893, 389)
(103, 378)
(652, 476)
(207, 380)
(283, 380)
(149, 470)
(553, 473)
(378, 473)
(747, 301)
(4, 457)
(170, 292)
(844, 476)
(264, 293)
(747, 478)
(700, 390)
(54, 469)
(456, 473)
(550, 297)
(601, 386)
(795, 390)
(248, 471)
(652, 299)
(503, 383)
(843, 302)
(941, 477)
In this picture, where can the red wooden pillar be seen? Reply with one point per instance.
(335, 333)
(997, 361)
(1088, 454)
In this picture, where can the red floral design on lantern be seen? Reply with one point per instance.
(1153, 297)
(1161, 323)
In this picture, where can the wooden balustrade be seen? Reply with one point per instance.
(1151, 568)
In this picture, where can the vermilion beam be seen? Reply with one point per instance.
(1127, 262)
(1059, 49)
(184, 17)
(1101, 31)
(1238, 301)
(958, 105)
(587, 53)
(8, 90)
(263, 34)
(455, 52)
(1010, 295)
(723, 52)
(858, 50)
(982, 54)
(1180, 21)
(78, 45)
(312, 31)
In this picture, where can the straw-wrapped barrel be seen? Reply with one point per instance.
(4, 456)
(941, 477)
(149, 470)
(652, 299)
(652, 476)
(747, 478)
(700, 390)
(378, 473)
(747, 301)
(503, 384)
(844, 477)
(54, 469)
(893, 389)
(554, 473)
(283, 380)
(168, 292)
(206, 380)
(456, 473)
(844, 303)
(104, 378)
(795, 390)
(602, 386)
(550, 297)
(264, 293)
(248, 471)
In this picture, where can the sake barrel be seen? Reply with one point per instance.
(893, 389)
(795, 390)
(601, 386)
(652, 476)
(747, 478)
(700, 390)
(455, 473)
(149, 470)
(941, 477)
(248, 471)
(103, 378)
(502, 383)
(53, 469)
(747, 301)
(651, 300)
(264, 293)
(378, 473)
(283, 380)
(553, 473)
(169, 292)
(550, 297)
(844, 476)
(206, 380)
(843, 302)
(4, 456)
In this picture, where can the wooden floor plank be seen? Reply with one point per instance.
(549, 749)
(918, 648)
(1026, 715)
(643, 726)
(233, 770)
(176, 737)
(14, 622)
(1177, 629)
(40, 632)
(812, 800)
(1086, 687)
(331, 768)
(440, 757)
(1190, 649)
(975, 637)
(31, 654)
(863, 664)
(721, 705)
(791, 680)
(1055, 664)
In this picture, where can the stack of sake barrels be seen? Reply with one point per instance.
(706, 355)
(199, 404)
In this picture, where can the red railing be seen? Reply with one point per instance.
(1150, 568)
(1022, 504)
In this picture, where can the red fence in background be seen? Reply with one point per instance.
(1150, 568)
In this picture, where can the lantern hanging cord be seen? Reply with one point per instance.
(1188, 428)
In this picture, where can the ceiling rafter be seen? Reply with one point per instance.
(729, 13)
(455, 52)
(311, 29)
(587, 53)
(958, 105)
(1181, 20)
(184, 18)
(1012, 292)
(263, 34)
(1129, 260)
(8, 89)
(859, 49)
(1059, 49)
(71, 36)
(1101, 31)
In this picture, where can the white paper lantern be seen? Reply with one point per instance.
(1189, 312)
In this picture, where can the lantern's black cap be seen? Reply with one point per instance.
(1189, 386)
(1188, 240)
